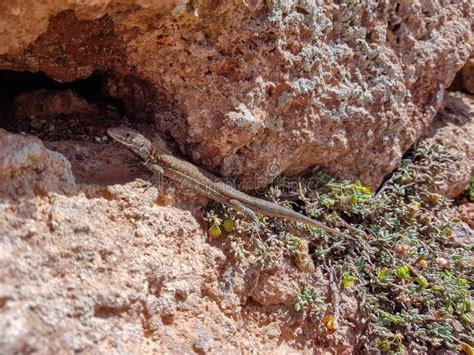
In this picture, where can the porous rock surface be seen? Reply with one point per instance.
(257, 88)
(466, 213)
(107, 269)
(465, 77)
(92, 261)
(453, 128)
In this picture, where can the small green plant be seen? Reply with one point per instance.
(348, 280)
(402, 272)
(215, 224)
(295, 244)
(414, 283)
(346, 196)
(238, 249)
(308, 296)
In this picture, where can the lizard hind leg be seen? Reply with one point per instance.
(246, 211)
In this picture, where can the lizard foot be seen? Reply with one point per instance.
(143, 184)
(248, 213)
(256, 228)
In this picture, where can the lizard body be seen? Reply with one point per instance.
(159, 162)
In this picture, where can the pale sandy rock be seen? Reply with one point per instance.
(256, 89)
(44, 104)
(277, 288)
(27, 167)
(465, 77)
(466, 213)
(105, 269)
(453, 128)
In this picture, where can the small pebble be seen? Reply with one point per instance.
(442, 262)
(97, 139)
(104, 138)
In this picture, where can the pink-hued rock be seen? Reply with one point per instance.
(28, 168)
(248, 89)
(465, 77)
(255, 89)
(453, 128)
(466, 213)
(90, 268)
(276, 288)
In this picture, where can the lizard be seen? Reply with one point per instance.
(162, 163)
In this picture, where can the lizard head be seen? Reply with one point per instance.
(133, 140)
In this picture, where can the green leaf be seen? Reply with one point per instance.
(215, 231)
(382, 273)
(347, 280)
(421, 280)
(392, 318)
(403, 272)
(229, 225)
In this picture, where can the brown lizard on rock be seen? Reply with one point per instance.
(161, 163)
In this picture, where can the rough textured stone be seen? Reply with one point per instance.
(245, 88)
(100, 267)
(465, 77)
(453, 128)
(466, 213)
(28, 168)
(255, 89)
(45, 104)
(273, 289)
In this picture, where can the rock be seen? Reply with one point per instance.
(465, 77)
(27, 167)
(453, 128)
(248, 89)
(466, 213)
(105, 269)
(257, 89)
(55, 115)
(275, 289)
(46, 104)
(203, 343)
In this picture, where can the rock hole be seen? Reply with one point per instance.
(106, 311)
(71, 118)
(35, 104)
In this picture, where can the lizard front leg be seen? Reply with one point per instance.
(156, 177)
(246, 211)
(157, 171)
